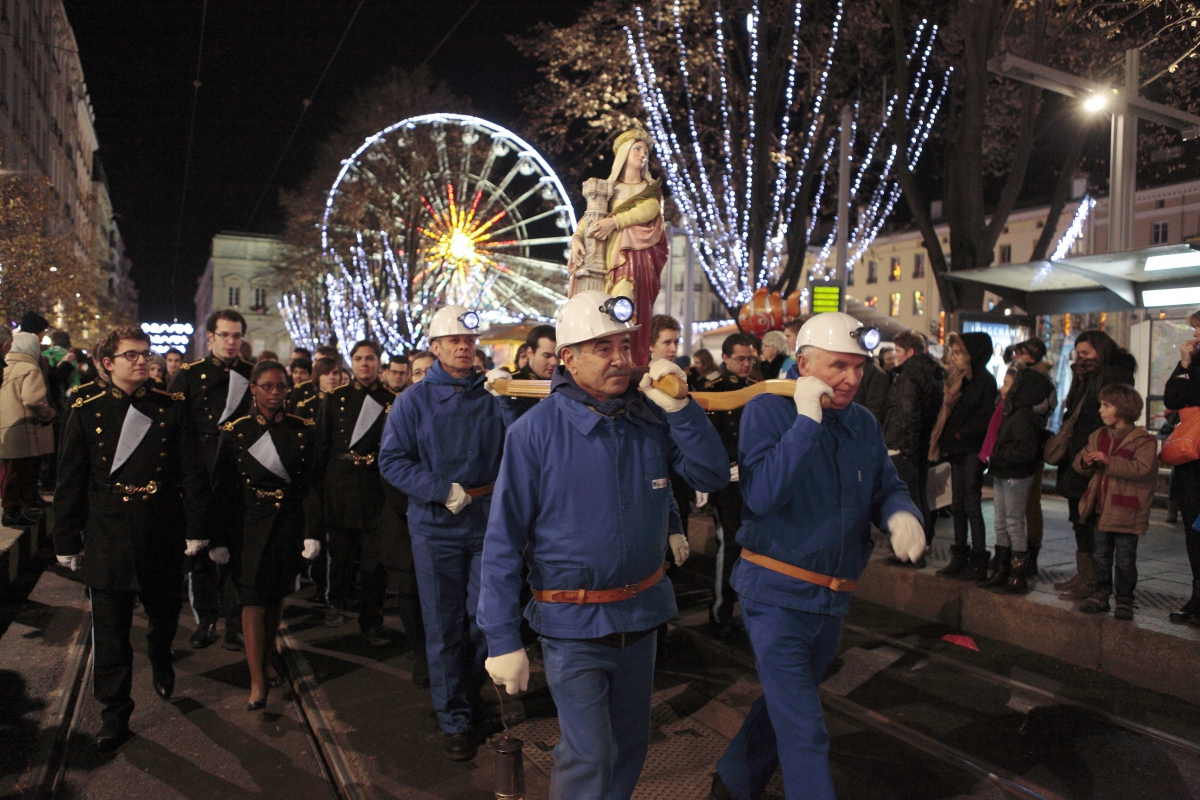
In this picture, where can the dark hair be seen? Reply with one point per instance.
(1104, 345)
(108, 349)
(1125, 399)
(398, 358)
(227, 314)
(735, 339)
(1034, 348)
(324, 366)
(794, 326)
(660, 323)
(419, 354)
(328, 351)
(706, 360)
(910, 340)
(538, 333)
(174, 350)
(265, 365)
(371, 343)
(268, 355)
(61, 339)
(303, 351)
(302, 363)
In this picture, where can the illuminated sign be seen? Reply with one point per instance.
(826, 298)
(165, 335)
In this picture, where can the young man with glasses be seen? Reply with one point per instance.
(133, 493)
(216, 390)
(347, 491)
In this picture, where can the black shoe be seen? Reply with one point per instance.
(111, 736)
(1190, 609)
(17, 518)
(460, 747)
(375, 636)
(958, 561)
(1004, 566)
(164, 681)
(719, 790)
(1124, 610)
(1017, 582)
(420, 671)
(276, 682)
(977, 569)
(257, 705)
(1031, 566)
(334, 618)
(234, 642)
(206, 634)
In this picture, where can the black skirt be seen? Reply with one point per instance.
(278, 568)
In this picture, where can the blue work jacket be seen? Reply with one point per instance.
(440, 431)
(585, 499)
(810, 493)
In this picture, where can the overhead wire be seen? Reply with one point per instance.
(187, 161)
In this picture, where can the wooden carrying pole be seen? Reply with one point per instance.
(709, 401)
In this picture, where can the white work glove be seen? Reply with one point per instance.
(733, 473)
(194, 546)
(908, 536)
(71, 562)
(679, 546)
(219, 555)
(492, 376)
(458, 499)
(658, 368)
(312, 549)
(701, 500)
(510, 670)
(808, 397)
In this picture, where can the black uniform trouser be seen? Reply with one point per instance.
(344, 544)
(112, 620)
(212, 592)
(727, 505)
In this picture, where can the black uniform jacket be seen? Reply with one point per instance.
(87, 390)
(301, 393)
(131, 524)
(254, 501)
(726, 422)
(348, 489)
(205, 386)
(308, 407)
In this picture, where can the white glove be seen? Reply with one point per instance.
(733, 473)
(219, 555)
(492, 376)
(458, 499)
(312, 549)
(679, 546)
(71, 562)
(908, 536)
(808, 397)
(701, 500)
(194, 546)
(658, 368)
(510, 670)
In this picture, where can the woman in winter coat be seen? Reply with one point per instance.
(1183, 391)
(960, 441)
(1014, 461)
(25, 431)
(1099, 362)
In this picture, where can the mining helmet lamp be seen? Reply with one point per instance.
(469, 320)
(619, 308)
(868, 338)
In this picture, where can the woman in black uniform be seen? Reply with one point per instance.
(261, 477)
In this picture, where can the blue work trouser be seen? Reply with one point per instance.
(792, 650)
(448, 584)
(603, 698)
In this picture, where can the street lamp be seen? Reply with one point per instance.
(1097, 102)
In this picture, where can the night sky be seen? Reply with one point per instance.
(261, 59)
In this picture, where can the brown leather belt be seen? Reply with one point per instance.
(836, 584)
(480, 491)
(581, 596)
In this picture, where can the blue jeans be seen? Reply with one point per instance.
(1122, 548)
(792, 650)
(1012, 500)
(603, 699)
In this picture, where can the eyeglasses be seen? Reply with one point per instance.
(270, 388)
(742, 359)
(226, 336)
(133, 355)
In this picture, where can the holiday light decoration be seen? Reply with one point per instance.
(1069, 237)
(165, 335)
(434, 210)
(715, 205)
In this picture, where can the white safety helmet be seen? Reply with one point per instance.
(590, 315)
(454, 321)
(838, 333)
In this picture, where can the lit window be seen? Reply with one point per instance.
(872, 272)
(919, 304)
(872, 301)
(919, 265)
(1161, 233)
(894, 274)
(1006, 254)
(895, 310)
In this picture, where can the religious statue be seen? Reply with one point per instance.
(620, 245)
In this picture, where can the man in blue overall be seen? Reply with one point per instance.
(442, 447)
(585, 498)
(813, 480)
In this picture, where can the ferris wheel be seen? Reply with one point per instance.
(440, 209)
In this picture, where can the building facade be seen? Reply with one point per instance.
(241, 274)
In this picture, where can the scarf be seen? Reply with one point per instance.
(950, 395)
(632, 403)
(993, 433)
